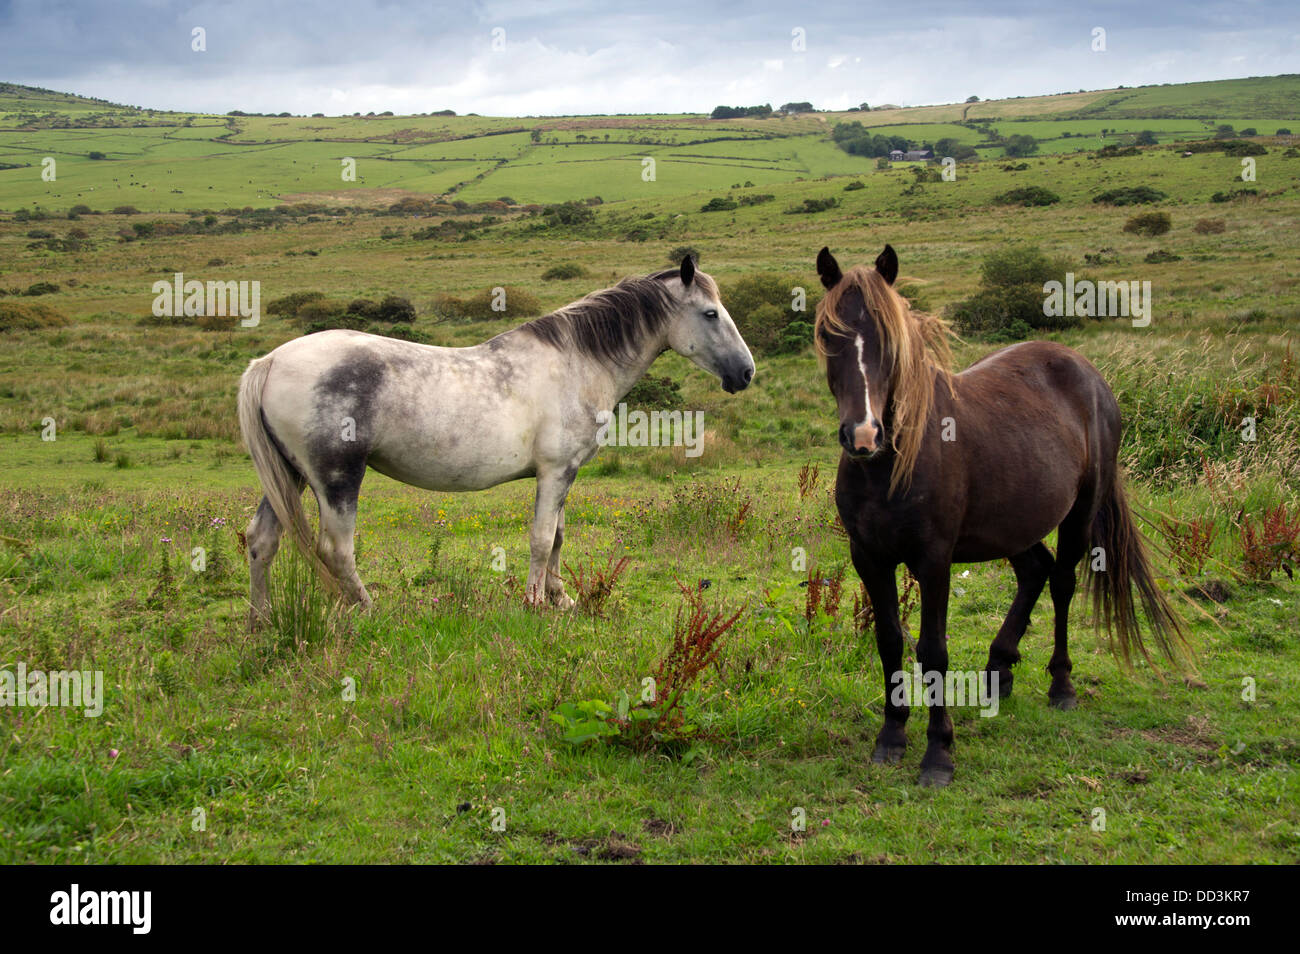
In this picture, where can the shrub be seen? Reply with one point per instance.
(681, 251)
(1159, 256)
(518, 302)
(1130, 195)
(719, 204)
(563, 272)
(37, 289)
(15, 316)
(655, 393)
(760, 304)
(812, 206)
(1028, 196)
(288, 305)
(1209, 226)
(318, 310)
(1009, 302)
(394, 308)
(567, 213)
(855, 185)
(125, 210)
(1233, 194)
(1149, 223)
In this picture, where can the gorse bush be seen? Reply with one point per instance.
(1009, 302)
(1149, 223)
(563, 271)
(762, 305)
(1130, 195)
(513, 302)
(1028, 196)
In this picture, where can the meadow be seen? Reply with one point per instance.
(451, 724)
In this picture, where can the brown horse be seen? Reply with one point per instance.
(941, 468)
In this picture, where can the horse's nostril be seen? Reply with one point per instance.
(749, 375)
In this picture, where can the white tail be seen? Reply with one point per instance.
(279, 480)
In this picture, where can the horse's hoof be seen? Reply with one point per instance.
(936, 776)
(1005, 679)
(888, 754)
(563, 601)
(1063, 702)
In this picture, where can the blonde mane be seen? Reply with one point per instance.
(916, 350)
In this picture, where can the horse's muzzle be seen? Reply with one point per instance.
(733, 381)
(862, 441)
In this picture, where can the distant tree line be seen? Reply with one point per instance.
(740, 112)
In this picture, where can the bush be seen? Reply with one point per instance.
(1028, 196)
(29, 316)
(1233, 194)
(40, 288)
(567, 213)
(125, 210)
(1160, 256)
(760, 304)
(318, 311)
(519, 303)
(855, 185)
(681, 251)
(1009, 302)
(288, 306)
(563, 272)
(719, 204)
(1210, 226)
(1130, 195)
(655, 393)
(1149, 223)
(395, 309)
(812, 206)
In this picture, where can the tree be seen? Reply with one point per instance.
(1020, 145)
(798, 108)
(972, 99)
(1146, 138)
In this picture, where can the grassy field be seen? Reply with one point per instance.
(449, 734)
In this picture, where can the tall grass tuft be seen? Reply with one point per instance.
(301, 613)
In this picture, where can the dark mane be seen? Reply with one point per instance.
(609, 325)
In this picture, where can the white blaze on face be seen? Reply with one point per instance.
(864, 432)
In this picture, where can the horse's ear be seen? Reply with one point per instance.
(828, 268)
(688, 270)
(887, 265)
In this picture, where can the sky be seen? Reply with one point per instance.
(563, 57)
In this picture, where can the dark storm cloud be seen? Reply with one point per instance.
(563, 57)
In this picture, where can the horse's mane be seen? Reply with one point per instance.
(609, 325)
(916, 348)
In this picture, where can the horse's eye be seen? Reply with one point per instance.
(711, 313)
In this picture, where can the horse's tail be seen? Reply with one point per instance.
(281, 482)
(1111, 576)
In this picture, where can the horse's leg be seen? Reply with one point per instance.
(1071, 544)
(337, 549)
(552, 489)
(554, 581)
(891, 742)
(263, 540)
(1032, 569)
(932, 654)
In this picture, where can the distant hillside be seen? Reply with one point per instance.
(110, 155)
